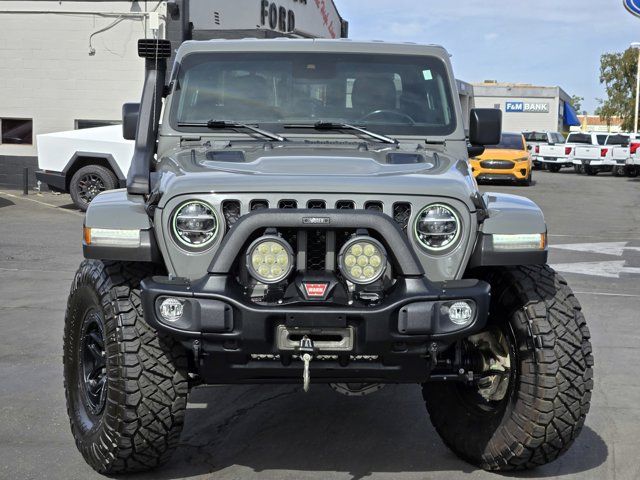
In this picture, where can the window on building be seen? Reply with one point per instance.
(16, 131)
(82, 124)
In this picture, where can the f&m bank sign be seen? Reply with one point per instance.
(526, 107)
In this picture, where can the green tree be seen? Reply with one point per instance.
(576, 103)
(618, 74)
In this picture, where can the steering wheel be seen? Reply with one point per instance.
(400, 115)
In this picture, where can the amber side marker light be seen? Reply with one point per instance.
(108, 237)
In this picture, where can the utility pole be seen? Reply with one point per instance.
(636, 45)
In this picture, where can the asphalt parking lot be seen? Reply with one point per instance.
(278, 432)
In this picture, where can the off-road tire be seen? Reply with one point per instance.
(107, 178)
(146, 374)
(632, 171)
(578, 168)
(550, 385)
(554, 168)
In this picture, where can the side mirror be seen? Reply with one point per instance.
(130, 114)
(485, 126)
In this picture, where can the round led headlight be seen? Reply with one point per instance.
(362, 260)
(437, 227)
(270, 259)
(195, 225)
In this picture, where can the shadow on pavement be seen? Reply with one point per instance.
(5, 202)
(70, 206)
(270, 429)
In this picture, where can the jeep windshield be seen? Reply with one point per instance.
(386, 94)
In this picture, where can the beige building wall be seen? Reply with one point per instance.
(520, 122)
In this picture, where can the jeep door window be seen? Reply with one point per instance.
(389, 94)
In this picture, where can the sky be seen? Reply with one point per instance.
(543, 42)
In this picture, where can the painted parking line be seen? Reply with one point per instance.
(608, 294)
(44, 204)
(597, 269)
(29, 270)
(605, 248)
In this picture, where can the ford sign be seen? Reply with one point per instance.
(633, 6)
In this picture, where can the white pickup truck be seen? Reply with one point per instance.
(554, 157)
(536, 139)
(84, 162)
(624, 153)
(608, 156)
(633, 162)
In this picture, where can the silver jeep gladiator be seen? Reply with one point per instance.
(303, 211)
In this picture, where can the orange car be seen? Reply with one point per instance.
(507, 161)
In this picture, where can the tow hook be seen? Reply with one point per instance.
(306, 350)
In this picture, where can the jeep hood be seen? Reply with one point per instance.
(323, 170)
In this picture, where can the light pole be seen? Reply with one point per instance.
(637, 46)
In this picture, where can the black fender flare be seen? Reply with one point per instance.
(69, 167)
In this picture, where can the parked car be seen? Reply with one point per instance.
(507, 161)
(598, 156)
(536, 139)
(633, 162)
(269, 234)
(84, 162)
(554, 157)
(620, 154)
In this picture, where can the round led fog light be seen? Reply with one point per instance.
(362, 260)
(270, 259)
(461, 313)
(171, 309)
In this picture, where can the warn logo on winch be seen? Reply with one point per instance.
(315, 290)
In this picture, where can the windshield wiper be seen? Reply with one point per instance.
(343, 126)
(223, 124)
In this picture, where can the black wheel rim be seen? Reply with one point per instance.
(93, 365)
(89, 186)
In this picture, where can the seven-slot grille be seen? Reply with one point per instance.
(318, 242)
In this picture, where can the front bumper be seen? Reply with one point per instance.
(237, 340)
(519, 172)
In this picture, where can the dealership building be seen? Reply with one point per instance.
(527, 107)
(71, 64)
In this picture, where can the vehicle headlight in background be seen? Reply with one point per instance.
(195, 224)
(270, 259)
(437, 227)
(526, 241)
(362, 260)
